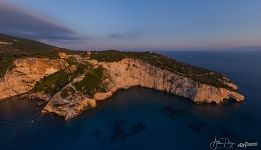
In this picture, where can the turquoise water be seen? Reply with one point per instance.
(141, 118)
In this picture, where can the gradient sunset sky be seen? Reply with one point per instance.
(135, 24)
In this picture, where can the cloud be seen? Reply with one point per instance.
(20, 22)
(128, 35)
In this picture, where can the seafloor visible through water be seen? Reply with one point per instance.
(141, 118)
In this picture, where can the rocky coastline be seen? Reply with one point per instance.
(80, 82)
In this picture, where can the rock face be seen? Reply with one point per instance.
(122, 74)
(129, 72)
(26, 73)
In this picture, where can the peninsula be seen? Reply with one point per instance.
(70, 82)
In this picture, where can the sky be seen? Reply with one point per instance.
(135, 24)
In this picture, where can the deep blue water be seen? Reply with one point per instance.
(142, 119)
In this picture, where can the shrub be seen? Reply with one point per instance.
(67, 91)
(53, 83)
(81, 68)
(92, 82)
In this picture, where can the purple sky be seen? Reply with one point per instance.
(135, 24)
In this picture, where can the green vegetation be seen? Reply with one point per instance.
(22, 45)
(92, 82)
(5, 64)
(67, 92)
(195, 73)
(19, 48)
(81, 68)
(110, 55)
(6, 59)
(52, 83)
(71, 61)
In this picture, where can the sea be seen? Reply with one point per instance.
(145, 119)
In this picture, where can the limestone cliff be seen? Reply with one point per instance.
(26, 73)
(77, 82)
(130, 72)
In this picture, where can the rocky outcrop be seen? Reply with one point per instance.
(122, 75)
(68, 109)
(70, 106)
(26, 73)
